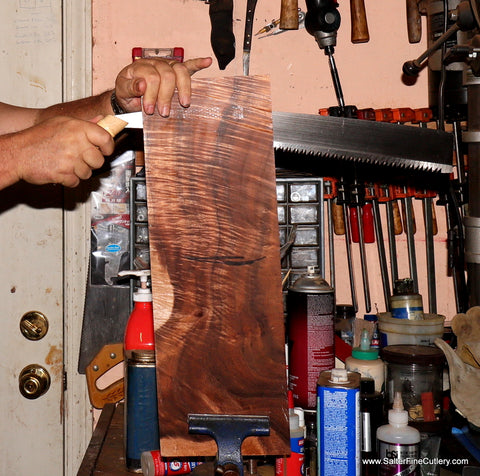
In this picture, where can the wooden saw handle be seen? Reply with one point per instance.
(289, 15)
(109, 356)
(359, 22)
(113, 125)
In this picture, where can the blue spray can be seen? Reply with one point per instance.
(338, 423)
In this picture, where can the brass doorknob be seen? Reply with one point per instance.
(33, 381)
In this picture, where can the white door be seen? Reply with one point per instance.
(44, 47)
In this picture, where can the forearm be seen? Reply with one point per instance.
(9, 148)
(85, 109)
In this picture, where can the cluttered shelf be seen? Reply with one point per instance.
(105, 453)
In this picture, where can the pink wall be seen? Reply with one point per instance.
(370, 75)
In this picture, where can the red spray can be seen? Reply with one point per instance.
(310, 333)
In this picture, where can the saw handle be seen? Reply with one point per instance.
(414, 22)
(359, 22)
(289, 15)
(109, 356)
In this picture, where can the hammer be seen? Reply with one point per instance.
(289, 15)
(358, 16)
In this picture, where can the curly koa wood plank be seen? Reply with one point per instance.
(215, 262)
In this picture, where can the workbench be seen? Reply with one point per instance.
(105, 453)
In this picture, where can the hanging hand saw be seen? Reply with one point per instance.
(364, 142)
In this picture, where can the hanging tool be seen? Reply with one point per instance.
(404, 194)
(372, 195)
(322, 22)
(430, 230)
(455, 245)
(273, 27)
(247, 39)
(414, 21)
(329, 193)
(359, 33)
(385, 195)
(357, 200)
(222, 38)
(407, 191)
(289, 15)
(343, 200)
(366, 221)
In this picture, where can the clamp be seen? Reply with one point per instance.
(229, 431)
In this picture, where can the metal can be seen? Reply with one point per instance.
(141, 410)
(310, 332)
(338, 423)
(405, 303)
(154, 465)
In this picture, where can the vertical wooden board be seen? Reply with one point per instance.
(215, 261)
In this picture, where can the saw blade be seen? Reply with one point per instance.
(364, 142)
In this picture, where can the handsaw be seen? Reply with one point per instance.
(364, 142)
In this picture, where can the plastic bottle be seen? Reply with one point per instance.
(293, 464)
(398, 444)
(141, 409)
(139, 333)
(366, 362)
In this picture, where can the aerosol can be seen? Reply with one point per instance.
(141, 411)
(310, 331)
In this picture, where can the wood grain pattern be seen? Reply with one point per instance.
(215, 264)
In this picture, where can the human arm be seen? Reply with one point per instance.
(37, 148)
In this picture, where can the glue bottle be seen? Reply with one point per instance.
(293, 465)
(141, 410)
(366, 362)
(398, 444)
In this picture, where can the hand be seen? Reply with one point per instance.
(155, 80)
(59, 150)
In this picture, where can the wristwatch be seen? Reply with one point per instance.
(117, 109)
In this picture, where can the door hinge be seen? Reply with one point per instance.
(64, 381)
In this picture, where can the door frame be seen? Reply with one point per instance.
(77, 83)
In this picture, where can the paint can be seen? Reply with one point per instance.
(338, 423)
(311, 337)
